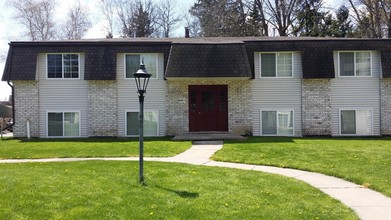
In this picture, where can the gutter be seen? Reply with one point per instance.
(12, 91)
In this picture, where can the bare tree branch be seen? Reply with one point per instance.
(77, 22)
(168, 17)
(36, 16)
(108, 10)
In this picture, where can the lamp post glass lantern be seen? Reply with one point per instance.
(142, 79)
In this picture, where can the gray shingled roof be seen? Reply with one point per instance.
(208, 60)
(193, 57)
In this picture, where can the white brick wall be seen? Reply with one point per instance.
(102, 108)
(26, 108)
(239, 104)
(385, 96)
(316, 100)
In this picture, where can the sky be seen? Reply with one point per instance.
(11, 31)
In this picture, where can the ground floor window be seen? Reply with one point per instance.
(356, 122)
(63, 124)
(277, 123)
(150, 123)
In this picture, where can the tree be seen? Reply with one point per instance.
(282, 14)
(258, 26)
(36, 16)
(310, 19)
(344, 27)
(77, 22)
(108, 10)
(373, 18)
(168, 17)
(221, 17)
(194, 26)
(137, 18)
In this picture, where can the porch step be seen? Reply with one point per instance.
(208, 136)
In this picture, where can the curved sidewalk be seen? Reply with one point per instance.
(368, 204)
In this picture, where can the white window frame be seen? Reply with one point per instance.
(355, 115)
(62, 111)
(277, 111)
(275, 77)
(355, 51)
(157, 64)
(62, 66)
(145, 110)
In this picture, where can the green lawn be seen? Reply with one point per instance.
(89, 147)
(365, 161)
(109, 190)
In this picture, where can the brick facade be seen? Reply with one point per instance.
(102, 108)
(385, 100)
(316, 101)
(26, 108)
(239, 104)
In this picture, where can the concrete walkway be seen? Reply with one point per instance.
(368, 204)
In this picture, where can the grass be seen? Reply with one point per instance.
(109, 190)
(89, 147)
(365, 161)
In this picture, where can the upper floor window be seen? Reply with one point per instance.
(356, 63)
(132, 64)
(63, 65)
(276, 64)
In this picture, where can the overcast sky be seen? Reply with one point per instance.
(11, 31)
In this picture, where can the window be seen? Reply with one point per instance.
(356, 122)
(132, 64)
(276, 64)
(277, 123)
(63, 65)
(63, 124)
(150, 123)
(355, 63)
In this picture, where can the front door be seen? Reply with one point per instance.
(208, 108)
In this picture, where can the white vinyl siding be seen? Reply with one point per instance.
(352, 93)
(155, 97)
(275, 93)
(59, 95)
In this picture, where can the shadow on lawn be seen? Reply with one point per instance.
(293, 139)
(92, 139)
(182, 194)
(263, 140)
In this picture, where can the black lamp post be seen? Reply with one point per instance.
(142, 79)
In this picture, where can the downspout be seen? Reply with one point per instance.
(12, 91)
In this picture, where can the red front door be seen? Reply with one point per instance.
(208, 108)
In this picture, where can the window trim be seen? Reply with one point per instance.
(62, 111)
(277, 110)
(157, 65)
(145, 110)
(355, 51)
(355, 115)
(62, 67)
(276, 77)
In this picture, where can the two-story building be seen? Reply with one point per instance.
(262, 86)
